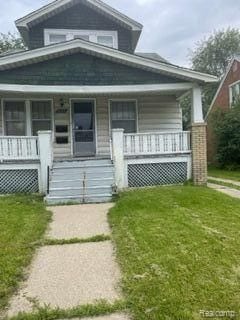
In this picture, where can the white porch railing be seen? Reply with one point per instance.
(19, 148)
(27, 148)
(156, 143)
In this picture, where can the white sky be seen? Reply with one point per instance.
(171, 27)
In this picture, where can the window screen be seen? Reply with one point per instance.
(123, 115)
(41, 116)
(105, 40)
(15, 118)
(57, 38)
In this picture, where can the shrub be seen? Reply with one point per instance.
(227, 130)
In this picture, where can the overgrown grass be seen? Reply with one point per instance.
(223, 173)
(179, 250)
(23, 220)
(98, 309)
(53, 242)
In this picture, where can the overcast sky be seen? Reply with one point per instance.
(171, 27)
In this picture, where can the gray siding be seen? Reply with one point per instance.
(81, 69)
(103, 134)
(159, 113)
(80, 17)
(1, 124)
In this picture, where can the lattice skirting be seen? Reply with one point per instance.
(19, 181)
(152, 174)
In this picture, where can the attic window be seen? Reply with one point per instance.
(103, 37)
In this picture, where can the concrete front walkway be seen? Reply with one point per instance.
(233, 182)
(226, 190)
(70, 275)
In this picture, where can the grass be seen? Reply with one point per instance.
(179, 250)
(23, 220)
(223, 173)
(53, 242)
(98, 309)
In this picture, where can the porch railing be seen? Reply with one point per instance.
(19, 148)
(156, 143)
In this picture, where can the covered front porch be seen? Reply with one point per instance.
(138, 128)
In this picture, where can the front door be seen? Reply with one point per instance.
(83, 119)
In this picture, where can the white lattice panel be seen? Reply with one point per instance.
(153, 174)
(19, 181)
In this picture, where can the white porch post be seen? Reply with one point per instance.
(199, 139)
(46, 157)
(197, 109)
(118, 156)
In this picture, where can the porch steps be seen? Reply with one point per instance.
(81, 181)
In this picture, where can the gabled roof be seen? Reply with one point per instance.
(79, 45)
(151, 55)
(23, 24)
(236, 58)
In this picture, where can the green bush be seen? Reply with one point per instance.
(227, 130)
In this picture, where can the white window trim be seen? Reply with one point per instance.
(28, 113)
(70, 33)
(230, 91)
(110, 112)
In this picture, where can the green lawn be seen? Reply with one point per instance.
(225, 174)
(179, 250)
(23, 220)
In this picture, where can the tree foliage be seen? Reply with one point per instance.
(212, 56)
(227, 130)
(10, 41)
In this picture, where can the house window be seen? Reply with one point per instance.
(15, 118)
(124, 115)
(41, 116)
(57, 38)
(235, 93)
(105, 41)
(103, 37)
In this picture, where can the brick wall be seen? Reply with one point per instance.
(221, 103)
(199, 154)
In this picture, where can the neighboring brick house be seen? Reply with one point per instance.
(83, 113)
(227, 93)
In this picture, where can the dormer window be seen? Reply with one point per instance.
(105, 38)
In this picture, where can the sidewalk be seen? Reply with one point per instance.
(71, 275)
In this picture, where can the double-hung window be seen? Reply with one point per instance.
(41, 116)
(15, 118)
(124, 115)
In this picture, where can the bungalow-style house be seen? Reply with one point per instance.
(227, 95)
(83, 114)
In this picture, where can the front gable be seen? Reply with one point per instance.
(82, 69)
(222, 97)
(80, 17)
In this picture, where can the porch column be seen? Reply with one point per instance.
(199, 139)
(118, 157)
(46, 157)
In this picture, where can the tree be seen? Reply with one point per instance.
(212, 56)
(10, 41)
